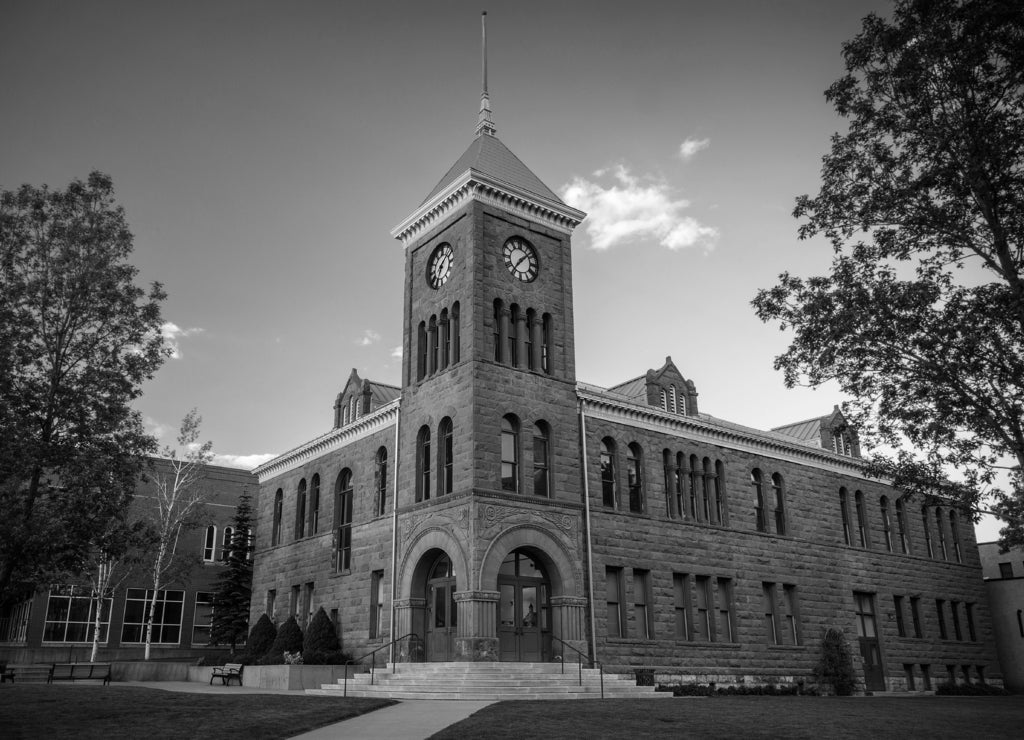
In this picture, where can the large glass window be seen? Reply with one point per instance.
(300, 510)
(608, 472)
(681, 588)
(771, 621)
(778, 493)
(343, 522)
(446, 457)
(510, 454)
(634, 458)
(615, 604)
(202, 621)
(423, 464)
(167, 612)
(791, 602)
(726, 628)
(541, 465)
(702, 627)
(642, 611)
(71, 615)
(275, 536)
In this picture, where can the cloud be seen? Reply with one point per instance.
(630, 209)
(172, 334)
(157, 429)
(397, 352)
(247, 462)
(690, 147)
(369, 337)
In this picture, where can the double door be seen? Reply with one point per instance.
(522, 619)
(442, 619)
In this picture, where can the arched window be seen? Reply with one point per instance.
(668, 463)
(434, 345)
(940, 535)
(445, 457)
(760, 511)
(314, 504)
(531, 339)
(721, 500)
(498, 323)
(354, 414)
(682, 475)
(695, 485)
(955, 532)
(672, 399)
(423, 464)
(901, 526)
(634, 460)
(380, 479)
(456, 337)
(300, 510)
(421, 351)
(446, 340)
(510, 454)
(344, 412)
(546, 343)
(927, 532)
(664, 399)
(343, 522)
(844, 508)
(705, 501)
(681, 403)
(542, 459)
(886, 524)
(608, 472)
(779, 494)
(275, 535)
(513, 335)
(226, 542)
(862, 519)
(210, 544)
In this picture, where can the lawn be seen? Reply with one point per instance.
(32, 711)
(748, 717)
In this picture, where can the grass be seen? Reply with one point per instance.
(39, 711)
(747, 717)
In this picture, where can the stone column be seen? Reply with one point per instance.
(569, 623)
(409, 615)
(476, 637)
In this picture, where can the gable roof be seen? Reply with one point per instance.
(488, 156)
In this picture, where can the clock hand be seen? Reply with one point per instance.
(520, 261)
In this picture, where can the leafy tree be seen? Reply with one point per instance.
(234, 585)
(921, 318)
(178, 497)
(77, 340)
(261, 638)
(835, 667)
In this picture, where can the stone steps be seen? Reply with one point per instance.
(487, 682)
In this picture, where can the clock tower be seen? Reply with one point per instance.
(489, 510)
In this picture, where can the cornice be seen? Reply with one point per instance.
(604, 406)
(364, 426)
(475, 185)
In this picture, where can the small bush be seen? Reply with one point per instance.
(835, 667)
(261, 638)
(970, 689)
(288, 640)
(321, 636)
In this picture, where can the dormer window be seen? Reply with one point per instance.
(841, 443)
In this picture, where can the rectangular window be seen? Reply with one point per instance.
(613, 597)
(271, 604)
(771, 625)
(293, 601)
(915, 614)
(681, 588)
(792, 605)
(926, 676)
(940, 609)
(210, 544)
(702, 628)
(726, 631)
(908, 670)
(642, 604)
(202, 620)
(865, 606)
(901, 627)
(376, 604)
(71, 615)
(343, 531)
(1006, 570)
(167, 612)
(970, 622)
(955, 608)
(540, 465)
(307, 604)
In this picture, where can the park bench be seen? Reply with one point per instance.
(226, 673)
(6, 673)
(79, 672)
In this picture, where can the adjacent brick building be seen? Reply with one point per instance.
(498, 509)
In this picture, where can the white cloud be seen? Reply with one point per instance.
(397, 352)
(630, 209)
(157, 429)
(690, 147)
(247, 462)
(369, 337)
(172, 334)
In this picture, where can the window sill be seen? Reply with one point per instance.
(787, 648)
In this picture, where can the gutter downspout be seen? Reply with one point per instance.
(394, 534)
(590, 554)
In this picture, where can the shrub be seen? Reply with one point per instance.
(970, 689)
(261, 638)
(288, 640)
(835, 667)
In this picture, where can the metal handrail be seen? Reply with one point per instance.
(600, 667)
(373, 662)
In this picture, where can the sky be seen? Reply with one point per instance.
(263, 151)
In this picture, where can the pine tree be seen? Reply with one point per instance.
(261, 638)
(320, 645)
(234, 585)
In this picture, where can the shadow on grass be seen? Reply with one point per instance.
(41, 711)
(747, 717)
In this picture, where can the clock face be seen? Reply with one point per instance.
(439, 268)
(521, 259)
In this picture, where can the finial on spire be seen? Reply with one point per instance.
(484, 124)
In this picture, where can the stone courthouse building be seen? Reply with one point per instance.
(501, 510)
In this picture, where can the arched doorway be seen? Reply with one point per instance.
(441, 615)
(524, 608)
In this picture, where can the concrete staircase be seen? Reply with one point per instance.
(488, 682)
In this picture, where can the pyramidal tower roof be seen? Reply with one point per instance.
(488, 171)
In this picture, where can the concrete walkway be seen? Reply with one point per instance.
(407, 720)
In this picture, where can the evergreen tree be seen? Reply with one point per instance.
(234, 585)
(288, 640)
(261, 638)
(321, 645)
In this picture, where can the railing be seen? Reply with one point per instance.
(413, 638)
(579, 663)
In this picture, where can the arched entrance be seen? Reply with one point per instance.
(524, 608)
(441, 614)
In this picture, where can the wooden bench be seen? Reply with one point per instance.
(6, 673)
(228, 672)
(79, 672)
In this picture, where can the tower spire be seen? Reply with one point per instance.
(484, 124)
